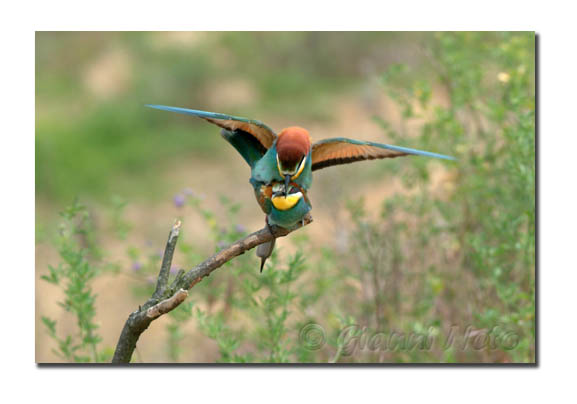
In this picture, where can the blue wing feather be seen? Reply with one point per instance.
(412, 151)
(195, 112)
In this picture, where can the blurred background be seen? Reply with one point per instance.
(401, 250)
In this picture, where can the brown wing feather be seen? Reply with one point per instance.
(342, 152)
(263, 135)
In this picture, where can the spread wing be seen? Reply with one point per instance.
(257, 129)
(330, 152)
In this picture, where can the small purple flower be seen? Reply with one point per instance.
(187, 192)
(221, 244)
(173, 270)
(136, 266)
(240, 228)
(179, 200)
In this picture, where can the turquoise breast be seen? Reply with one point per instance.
(291, 218)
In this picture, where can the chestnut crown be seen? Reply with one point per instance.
(292, 146)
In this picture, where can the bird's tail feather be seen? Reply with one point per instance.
(264, 251)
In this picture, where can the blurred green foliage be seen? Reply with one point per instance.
(443, 272)
(473, 243)
(91, 88)
(79, 254)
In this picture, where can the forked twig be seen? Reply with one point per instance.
(167, 297)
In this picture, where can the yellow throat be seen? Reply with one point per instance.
(286, 203)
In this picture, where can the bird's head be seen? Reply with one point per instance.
(293, 146)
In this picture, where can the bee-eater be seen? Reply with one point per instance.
(282, 165)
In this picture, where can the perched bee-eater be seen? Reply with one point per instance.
(282, 165)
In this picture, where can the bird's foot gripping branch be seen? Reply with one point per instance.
(167, 297)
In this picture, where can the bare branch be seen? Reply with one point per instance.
(167, 305)
(166, 298)
(239, 247)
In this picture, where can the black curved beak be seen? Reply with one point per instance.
(287, 180)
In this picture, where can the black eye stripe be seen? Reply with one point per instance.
(290, 170)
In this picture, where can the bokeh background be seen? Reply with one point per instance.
(410, 249)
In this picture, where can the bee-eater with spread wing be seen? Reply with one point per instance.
(282, 165)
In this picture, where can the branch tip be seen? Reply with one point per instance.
(175, 230)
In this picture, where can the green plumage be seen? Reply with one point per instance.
(289, 219)
(248, 147)
(266, 171)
